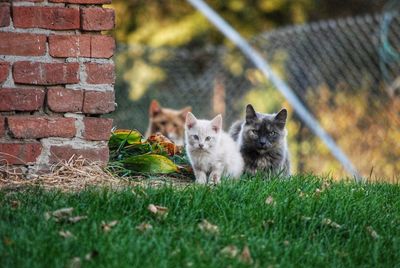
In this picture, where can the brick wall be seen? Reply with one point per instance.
(56, 79)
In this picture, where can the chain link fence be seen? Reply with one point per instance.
(346, 72)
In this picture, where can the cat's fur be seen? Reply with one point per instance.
(211, 151)
(261, 150)
(168, 122)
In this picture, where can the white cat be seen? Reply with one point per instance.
(211, 151)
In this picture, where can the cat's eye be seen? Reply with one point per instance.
(254, 131)
(208, 138)
(272, 134)
(175, 125)
(195, 137)
(163, 123)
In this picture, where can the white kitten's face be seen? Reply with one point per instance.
(202, 135)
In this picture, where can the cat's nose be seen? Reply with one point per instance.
(262, 142)
(201, 146)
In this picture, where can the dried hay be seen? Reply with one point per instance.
(75, 175)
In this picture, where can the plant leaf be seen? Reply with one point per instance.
(150, 163)
(124, 135)
(166, 144)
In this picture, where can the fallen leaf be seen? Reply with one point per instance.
(158, 210)
(91, 255)
(75, 263)
(305, 218)
(15, 204)
(62, 213)
(286, 242)
(152, 208)
(336, 225)
(372, 232)
(144, 226)
(270, 201)
(245, 256)
(326, 221)
(206, 226)
(230, 251)
(162, 210)
(76, 219)
(108, 226)
(331, 223)
(65, 234)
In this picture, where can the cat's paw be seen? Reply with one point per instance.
(215, 177)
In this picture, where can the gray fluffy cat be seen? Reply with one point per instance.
(262, 141)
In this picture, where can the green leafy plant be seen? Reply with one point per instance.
(131, 154)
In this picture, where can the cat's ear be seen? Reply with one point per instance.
(185, 111)
(155, 108)
(280, 118)
(191, 120)
(216, 123)
(250, 114)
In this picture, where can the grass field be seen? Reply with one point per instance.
(304, 222)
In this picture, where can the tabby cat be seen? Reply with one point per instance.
(168, 122)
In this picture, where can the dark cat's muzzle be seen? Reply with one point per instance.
(263, 144)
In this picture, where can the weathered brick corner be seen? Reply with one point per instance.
(56, 79)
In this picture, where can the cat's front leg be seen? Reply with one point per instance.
(216, 172)
(201, 176)
(215, 177)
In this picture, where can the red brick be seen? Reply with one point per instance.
(21, 99)
(53, 18)
(102, 46)
(19, 153)
(94, 46)
(4, 14)
(64, 100)
(69, 46)
(39, 73)
(96, 102)
(36, 1)
(65, 152)
(97, 19)
(82, 1)
(34, 127)
(4, 71)
(100, 73)
(2, 126)
(22, 44)
(97, 129)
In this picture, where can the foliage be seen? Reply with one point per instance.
(131, 154)
(306, 220)
(176, 23)
(366, 130)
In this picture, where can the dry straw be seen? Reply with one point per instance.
(74, 175)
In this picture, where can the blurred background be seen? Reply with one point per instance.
(341, 58)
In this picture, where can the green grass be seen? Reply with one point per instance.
(277, 235)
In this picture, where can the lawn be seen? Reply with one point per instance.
(255, 222)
